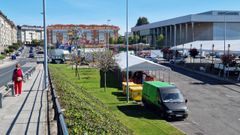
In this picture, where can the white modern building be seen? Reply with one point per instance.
(207, 26)
(26, 34)
(8, 32)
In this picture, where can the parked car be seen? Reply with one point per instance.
(218, 54)
(166, 98)
(14, 57)
(31, 55)
(179, 60)
(151, 59)
(18, 53)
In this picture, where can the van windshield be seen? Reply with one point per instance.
(172, 95)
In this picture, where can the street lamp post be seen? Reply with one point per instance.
(127, 70)
(45, 46)
(201, 53)
(190, 50)
(225, 31)
(228, 59)
(212, 53)
(228, 49)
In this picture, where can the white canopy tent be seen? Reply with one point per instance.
(207, 45)
(139, 64)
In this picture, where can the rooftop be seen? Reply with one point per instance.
(92, 26)
(209, 16)
(8, 20)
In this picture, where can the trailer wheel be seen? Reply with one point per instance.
(58, 61)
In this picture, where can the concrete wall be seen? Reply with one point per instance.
(203, 31)
(232, 31)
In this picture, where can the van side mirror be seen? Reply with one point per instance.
(186, 100)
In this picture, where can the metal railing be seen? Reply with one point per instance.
(9, 87)
(58, 113)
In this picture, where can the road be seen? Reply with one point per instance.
(6, 72)
(214, 105)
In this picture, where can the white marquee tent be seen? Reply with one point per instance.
(139, 64)
(207, 45)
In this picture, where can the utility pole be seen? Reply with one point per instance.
(45, 46)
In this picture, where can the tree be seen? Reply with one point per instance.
(143, 40)
(6, 51)
(111, 40)
(130, 40)
(105, 62)
(142, 21)
(76, 60)
(167, 53)
(160, 40)
(136, 39)
(193, 53)
(11, 50)
(120, 40)
(227, 59)
(36, 42)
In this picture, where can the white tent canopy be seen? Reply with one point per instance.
(207, 45)
(137, 63)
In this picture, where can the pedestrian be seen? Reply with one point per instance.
(17, 78)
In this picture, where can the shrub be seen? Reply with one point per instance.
(227, 59)
(85, 113)
(193, 52)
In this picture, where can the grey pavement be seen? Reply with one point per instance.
(7, 68)
(214, 104)
(27, 113)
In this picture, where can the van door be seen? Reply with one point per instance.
(158, 99)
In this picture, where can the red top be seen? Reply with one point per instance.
(17, 73)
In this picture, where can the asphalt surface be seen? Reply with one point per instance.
(214, 105)
(6, 72)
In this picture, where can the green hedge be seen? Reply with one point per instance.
(85, 113)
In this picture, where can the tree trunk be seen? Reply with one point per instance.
(105, 81)
(76, 70)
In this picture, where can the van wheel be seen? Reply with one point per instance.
(164, 116)
(144, 103)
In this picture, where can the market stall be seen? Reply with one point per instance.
(140, 70)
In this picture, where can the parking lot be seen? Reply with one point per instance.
(214, 105)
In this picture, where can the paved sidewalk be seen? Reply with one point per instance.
(26, 114)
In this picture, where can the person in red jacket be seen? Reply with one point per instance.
(17, 79)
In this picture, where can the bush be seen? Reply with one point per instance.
(2, 57)
(6, 51)
(85, 113)
(193, 52)
(227, 59)
(11, 50)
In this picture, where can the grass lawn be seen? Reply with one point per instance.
(137, 118)
(2, 57)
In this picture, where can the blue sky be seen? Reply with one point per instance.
(99, 11)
